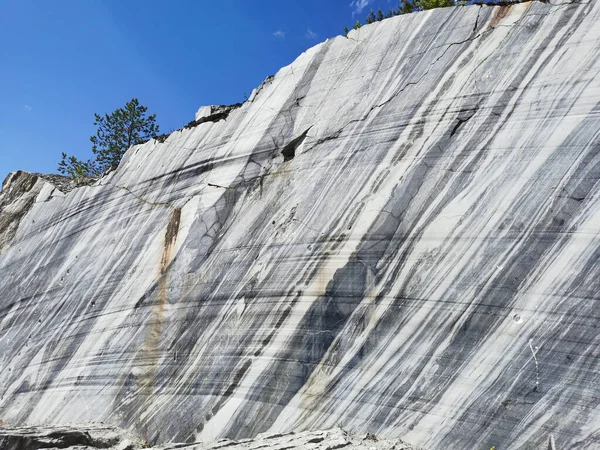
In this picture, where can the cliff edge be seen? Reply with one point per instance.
(398, 234)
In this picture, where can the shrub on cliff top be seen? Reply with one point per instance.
(431, 4)
(75, 168)
(405, 7)
(116, 132)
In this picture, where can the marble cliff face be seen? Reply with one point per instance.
(397, 234)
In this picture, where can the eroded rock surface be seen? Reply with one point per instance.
(94, 437)
(397, 234)
(316, 440)
(20, 190)
(84, 437)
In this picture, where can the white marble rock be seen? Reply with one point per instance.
(398, 234)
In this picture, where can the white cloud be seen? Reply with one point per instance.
(359, 5)
(27, 107)
(311, 35)
(279, 34)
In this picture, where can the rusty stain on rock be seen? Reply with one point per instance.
(149, 352)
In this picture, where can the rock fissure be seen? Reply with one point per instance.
(142, 199)
(289, 151)
(477, 20)
(460, 122)
(336, 134)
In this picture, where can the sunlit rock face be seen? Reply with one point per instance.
(19, 191)
(397, 234)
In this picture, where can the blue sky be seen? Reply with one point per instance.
(61, 61)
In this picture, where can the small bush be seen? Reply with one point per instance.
(405, 7)
(432, 4)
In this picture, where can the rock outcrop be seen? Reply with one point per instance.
(94, 437)
(84, 437)
(397, 234)
(19, 191)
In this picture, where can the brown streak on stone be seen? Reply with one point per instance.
(151, 346)
(500, 13)
(170, 238)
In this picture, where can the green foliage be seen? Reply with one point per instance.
(76, 169)
(431, 4)
(406, 7)
(371, 18)
(120, 130)
(116, 132)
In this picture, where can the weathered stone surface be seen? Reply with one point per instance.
(316, 440)
(94, 436)
(82, 437)
(397, 234)
(19, 191)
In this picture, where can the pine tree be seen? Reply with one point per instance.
(116, 133)
(357, 25)
(406, 7)
(120, 130)
(371, 17)
(380, 15)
